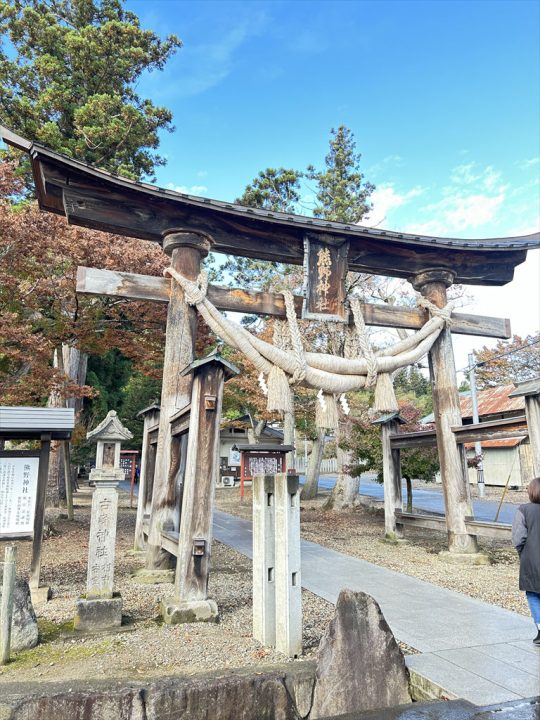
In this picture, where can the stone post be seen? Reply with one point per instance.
(264, 560)
(432, 284)
(287, 557)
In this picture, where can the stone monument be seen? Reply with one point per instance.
(101, 608)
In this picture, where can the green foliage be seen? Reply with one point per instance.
(107, 375)
(365, 441)
(138, 393)
(71, 84)
(275, 190)
(342, 193)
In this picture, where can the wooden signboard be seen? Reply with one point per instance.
(325, 274)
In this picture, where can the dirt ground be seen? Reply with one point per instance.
(149, 648)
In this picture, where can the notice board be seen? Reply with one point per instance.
(18, 491)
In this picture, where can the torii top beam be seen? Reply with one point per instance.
(101, 200)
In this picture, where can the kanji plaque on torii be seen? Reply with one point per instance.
(325, 266)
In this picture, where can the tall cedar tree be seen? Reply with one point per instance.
(71, 81)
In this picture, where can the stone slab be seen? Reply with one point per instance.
(174, 612)
(359, 664)
(102, 543)
(98, 614)
(24, 629)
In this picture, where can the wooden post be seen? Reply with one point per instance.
(39, 517)
(186, 251)
(67, 480)
(146, 476)
(191, 603)
(6, 611)
(242, 476)
(432, 284)
(393, 499)
(532, 411)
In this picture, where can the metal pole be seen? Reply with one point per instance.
(477, 444)
(6, 613)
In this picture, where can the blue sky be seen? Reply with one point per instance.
(443, 99)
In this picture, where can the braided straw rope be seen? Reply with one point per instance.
(330, 373)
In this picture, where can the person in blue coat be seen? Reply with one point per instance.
(526, 540)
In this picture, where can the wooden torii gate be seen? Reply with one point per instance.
(189, 227)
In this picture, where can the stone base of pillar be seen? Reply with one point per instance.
(98, 614)
(151, 577)
(455, 558)
(136, 553)
(40, 595)
(175, 612)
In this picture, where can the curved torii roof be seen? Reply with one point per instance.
(102, 200)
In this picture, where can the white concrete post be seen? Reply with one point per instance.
(264, 565)
(6, 610)
(287, 556)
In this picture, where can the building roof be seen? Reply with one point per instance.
(20, 423)
(502, 443)
(261, 447)
(527, 387)
(94, 198)
(492, 401)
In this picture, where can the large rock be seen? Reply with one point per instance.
(24, 629)
(359, 663)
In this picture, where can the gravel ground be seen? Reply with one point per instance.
(358, 533)
(147, 648)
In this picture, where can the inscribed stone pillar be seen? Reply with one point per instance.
(287, 557)
(432, 284)
(101, 548)
(264, 561)
(186, 251)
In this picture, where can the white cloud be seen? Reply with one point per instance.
(473, 198)
(531, 162)
(188, 190)
(206, 65)
(384, 199)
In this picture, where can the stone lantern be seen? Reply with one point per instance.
(109, 435)
(101, 608)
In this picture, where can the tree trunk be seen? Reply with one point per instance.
(255, 432)
(288, 436)
(311, 486)
(345, 493)
(409, 494)
(70, 361)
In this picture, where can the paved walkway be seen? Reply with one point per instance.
(473, 650)
(432, 500)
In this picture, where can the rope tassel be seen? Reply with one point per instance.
(279, 392)
(385, 397)
(326, 412)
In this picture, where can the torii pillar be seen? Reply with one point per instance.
(186, 250)
(432, 284)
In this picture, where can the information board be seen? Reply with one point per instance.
(18, 490)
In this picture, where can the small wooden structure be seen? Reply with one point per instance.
(261, 459)
(21, 467)
(530, 390)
